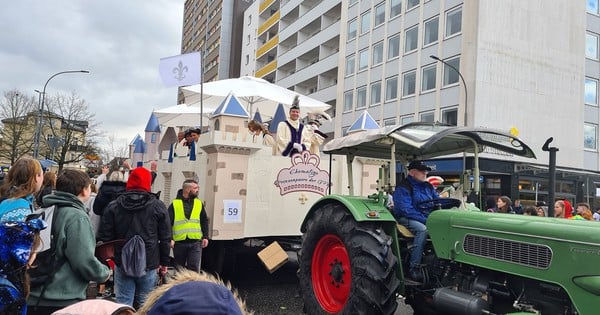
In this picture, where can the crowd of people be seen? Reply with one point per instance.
(124, 208)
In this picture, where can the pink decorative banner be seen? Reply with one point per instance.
(304, 175)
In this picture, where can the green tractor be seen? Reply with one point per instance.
(354, 255)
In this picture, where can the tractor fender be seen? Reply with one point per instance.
(361, 208)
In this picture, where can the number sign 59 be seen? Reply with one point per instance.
(232, 211)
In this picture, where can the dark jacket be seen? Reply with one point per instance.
(108, 192)
(408, 195)
(153, 225)
(76, 243)
(46, 190)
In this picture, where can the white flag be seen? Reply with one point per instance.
(181, 70)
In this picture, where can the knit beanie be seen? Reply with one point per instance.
(139, 179)
(196, 297)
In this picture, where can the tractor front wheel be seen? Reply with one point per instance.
(346, 267)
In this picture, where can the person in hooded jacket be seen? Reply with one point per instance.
(75, 245)
(138, 212)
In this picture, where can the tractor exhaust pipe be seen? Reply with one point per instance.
(458, 303)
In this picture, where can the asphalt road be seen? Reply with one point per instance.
(277, 293)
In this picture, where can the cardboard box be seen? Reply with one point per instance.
(273, 257)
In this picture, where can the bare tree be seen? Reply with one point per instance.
(71, 131)
(117, 147)
(17, 114)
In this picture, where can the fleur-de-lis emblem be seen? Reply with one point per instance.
(180, 71)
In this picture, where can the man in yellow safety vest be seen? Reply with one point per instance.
(189, 221)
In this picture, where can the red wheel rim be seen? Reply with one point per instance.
(331, 276)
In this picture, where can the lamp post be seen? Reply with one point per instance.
(476, 183)
(38, 130)
(461, 78)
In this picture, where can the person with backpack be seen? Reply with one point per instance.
(412, 191)
(188, 217)
(17, 193)
(73, 244)
(141, 220)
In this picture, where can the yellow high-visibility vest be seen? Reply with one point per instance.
(184, 228)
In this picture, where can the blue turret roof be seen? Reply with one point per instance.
(231, 106)
(152, 125)
(364, 122)
(277, 118)
(135, 139)
(257, 117)
(139, 146)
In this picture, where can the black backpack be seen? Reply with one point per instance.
(133, 253)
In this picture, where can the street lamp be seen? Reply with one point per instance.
(38, 130)
(461, 78)
(476, 184)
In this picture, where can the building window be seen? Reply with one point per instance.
(394, 47)
(431, 31)
(361, 97)
(592, 6)
(450, 116)
(352, 2)
(391, 88)
(589, 136)
(350, 65)
(348, 101)
(247, 59)
(407, 120)
(248, 43)
(428, 78)
(379, 14)
(411, 4)
(365, 22)
(591, 46)
(376, 93)
(450, 75)
(411, 39)
(389, 122)
(427, 117)
(352, 30)
(591, 91)
(377, 53)
(409, 80)
(152, 139)
(395, 8)
(363, 59)
(453, 22)
(249, 19)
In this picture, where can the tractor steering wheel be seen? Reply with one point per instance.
(438, 203)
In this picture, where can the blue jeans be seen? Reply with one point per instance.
(420, 231)
(128, 288)
(188, 254)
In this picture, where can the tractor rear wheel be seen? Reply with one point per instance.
(346, 267)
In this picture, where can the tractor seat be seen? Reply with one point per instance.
(404, 231)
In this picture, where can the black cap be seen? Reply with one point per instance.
(418, 165)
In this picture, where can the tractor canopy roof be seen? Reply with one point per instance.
(425, 140)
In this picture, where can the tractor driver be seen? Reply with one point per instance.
(411, 191)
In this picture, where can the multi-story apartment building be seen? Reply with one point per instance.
(214, 28)
(531, 67)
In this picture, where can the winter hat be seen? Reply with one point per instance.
(196, 297)
(139, 179)
(16, 239)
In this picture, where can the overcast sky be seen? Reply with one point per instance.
(119, 42)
